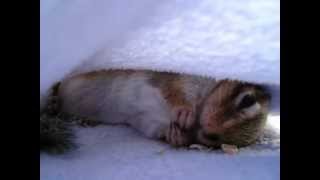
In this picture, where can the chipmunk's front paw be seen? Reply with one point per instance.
(175, 136)
(184, 116)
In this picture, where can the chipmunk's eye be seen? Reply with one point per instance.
(247, 101)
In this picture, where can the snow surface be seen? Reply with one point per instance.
(121, 153)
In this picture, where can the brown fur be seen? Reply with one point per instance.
(171, 87)
(203, 106)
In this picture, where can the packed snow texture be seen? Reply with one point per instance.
(73, 30)
(217, 38)
(121, 153)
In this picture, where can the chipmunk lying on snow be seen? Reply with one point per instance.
(181, 109)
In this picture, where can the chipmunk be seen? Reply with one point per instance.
(179, 109)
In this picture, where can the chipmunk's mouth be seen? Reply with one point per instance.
(212, 140)
(197, 136)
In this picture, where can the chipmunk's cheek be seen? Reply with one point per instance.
(210, 125)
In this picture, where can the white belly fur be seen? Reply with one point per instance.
(121, 100)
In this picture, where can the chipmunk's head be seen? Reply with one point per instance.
(234, 113)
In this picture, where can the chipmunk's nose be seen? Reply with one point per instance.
(210, 126)
(213, 126)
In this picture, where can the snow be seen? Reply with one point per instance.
(120, 153)
(73, 30)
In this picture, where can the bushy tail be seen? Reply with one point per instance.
(56, 135)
